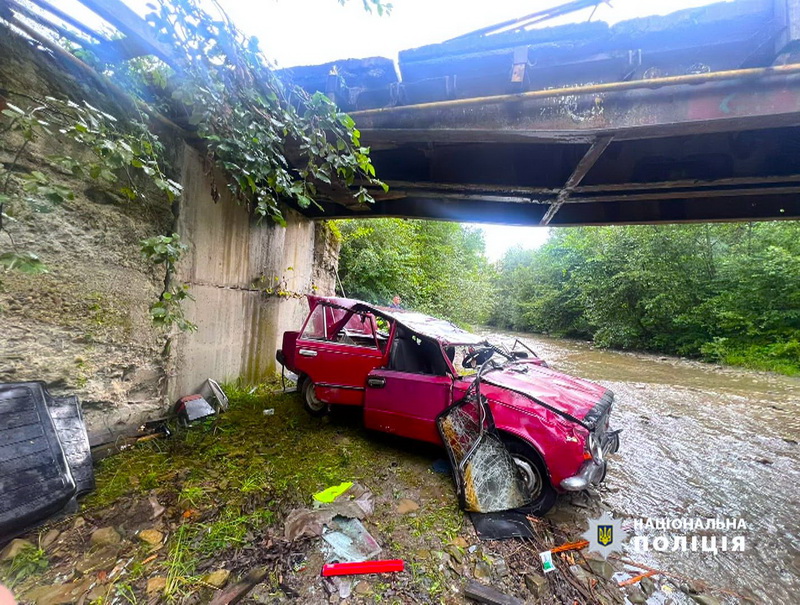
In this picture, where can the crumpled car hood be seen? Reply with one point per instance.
(562, 392)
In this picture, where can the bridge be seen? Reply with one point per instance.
(693, 116)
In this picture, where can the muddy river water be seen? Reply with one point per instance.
(702, 441)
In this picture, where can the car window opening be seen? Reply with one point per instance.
(416, 355)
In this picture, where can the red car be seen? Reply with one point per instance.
(405, 368)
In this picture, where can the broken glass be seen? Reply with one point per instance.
(486, 477)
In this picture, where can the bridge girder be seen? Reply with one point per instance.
(722, 150)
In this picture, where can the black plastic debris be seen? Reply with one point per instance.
(44, 456)
(192, 408)
(503, 525)
(68, 422)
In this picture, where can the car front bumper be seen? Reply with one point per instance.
(592, 472)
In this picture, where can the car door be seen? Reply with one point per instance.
(338, 368)
(406, 403)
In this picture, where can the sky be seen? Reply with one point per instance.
(308, 32)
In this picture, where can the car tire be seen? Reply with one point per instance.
(311, 403)
(534, 472)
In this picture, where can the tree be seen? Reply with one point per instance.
(727, 293)
(436, 267)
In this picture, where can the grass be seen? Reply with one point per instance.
(781, 357)
(30, 561)
(238, 475)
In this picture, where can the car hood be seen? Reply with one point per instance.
(566, 395)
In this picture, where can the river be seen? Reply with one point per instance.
(701, 441)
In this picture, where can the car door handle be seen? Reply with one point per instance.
(307, 353)
(376, 383)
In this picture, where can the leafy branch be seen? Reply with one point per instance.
(277, 142)
(168, 309)
(108, 151)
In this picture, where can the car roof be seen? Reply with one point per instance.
(438, 329)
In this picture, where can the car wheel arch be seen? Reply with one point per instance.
(507, 434)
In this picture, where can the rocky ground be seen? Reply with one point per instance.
(187, 518)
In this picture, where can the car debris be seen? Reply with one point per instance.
(190, 408)
(363, 567)
(213, 393)
(502, 525)
(485, 594)
(405, 369)
(45, 460)
(353, 502)
(349, 540)
(487, 479)
(210, 400)
(332, 493)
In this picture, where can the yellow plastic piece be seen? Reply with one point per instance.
(333, 492)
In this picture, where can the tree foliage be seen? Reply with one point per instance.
(728, 293)
(435, 267)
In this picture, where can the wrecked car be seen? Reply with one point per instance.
(405, 369)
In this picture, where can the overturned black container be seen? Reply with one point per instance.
(45, 460)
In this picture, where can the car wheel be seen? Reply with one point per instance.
(311, 403)
(534, 477)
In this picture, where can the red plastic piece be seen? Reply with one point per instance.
(359, 567)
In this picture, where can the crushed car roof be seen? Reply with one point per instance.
(438, 329)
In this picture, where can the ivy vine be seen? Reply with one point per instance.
(107, 152)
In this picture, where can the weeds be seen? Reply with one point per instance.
(180, 563)
(29, 561)
(240, 473)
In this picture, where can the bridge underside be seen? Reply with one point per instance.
(716, 151)
(675, 125)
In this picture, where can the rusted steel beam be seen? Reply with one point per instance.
(681, 194)
(510, 190)
(387, 138)
(756, 73)
(430, 187)
(688, 183)
(486, 197)
(768, 206)
(584, 166)
(21, 10)
(635, 114)
(126, 100)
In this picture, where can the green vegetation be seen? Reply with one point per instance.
(228, 484)
(30, 561)
(435, 267)
(727, 292)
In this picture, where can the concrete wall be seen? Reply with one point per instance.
(84, 327)
(232, 264)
